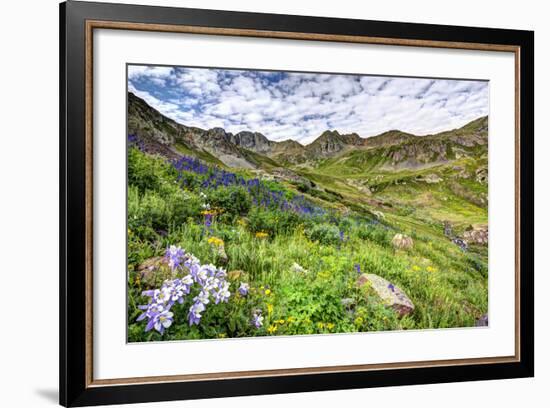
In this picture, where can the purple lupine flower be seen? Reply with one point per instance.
(207, 220)
(243, 289)
(257, 319)
(357, 268)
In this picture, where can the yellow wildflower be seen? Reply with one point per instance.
(416, 268)
(431, 269)
(267, 292)
(320, 325)
(269, 309)
(272, 329)
(281, 321)
(215, 241)
(261, 234)
(222, 336)
(330, 326)
(358, 321)
(291, 319)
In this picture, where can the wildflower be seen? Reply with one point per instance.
(151, 310)
(269, 309)
(358, 321)
(291, 319)
(215, 241)
(391, 287)
(281, 321)
(174, 255)
(223, 294)
(267, 292)
(207, 219)
(272, 329)
(202, 297)
(261, 235)
(243, 289)
(330, 326)
(431, 269)
(160, 321)
(257, 319)
(320, 325)
(195, 313)
(416, 268)
(357, 268)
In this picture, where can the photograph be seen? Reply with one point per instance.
(275, 203)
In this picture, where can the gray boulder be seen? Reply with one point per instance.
(392, 295)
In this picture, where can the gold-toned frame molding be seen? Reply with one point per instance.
(117, 25)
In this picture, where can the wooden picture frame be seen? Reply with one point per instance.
(78, 20)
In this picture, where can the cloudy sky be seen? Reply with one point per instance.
(300, 106)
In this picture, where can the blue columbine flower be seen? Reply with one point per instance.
(161, 321)
(243, 289)
(174, 254)
(257, 319)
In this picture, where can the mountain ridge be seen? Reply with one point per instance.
(395, 146)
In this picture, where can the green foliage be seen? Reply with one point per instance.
(326, 234)
(447, 285)
(233, 200)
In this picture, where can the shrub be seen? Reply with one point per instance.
(374, 234)
(233, 200)
(325, 234)
(273, 222)
(146, 172)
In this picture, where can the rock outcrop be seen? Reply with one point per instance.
(390, 294)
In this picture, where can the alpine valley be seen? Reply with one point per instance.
(387, 232)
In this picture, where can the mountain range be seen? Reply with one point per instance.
(393, 149)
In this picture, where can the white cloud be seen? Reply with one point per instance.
(301, 106)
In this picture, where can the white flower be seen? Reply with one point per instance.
(202, 297)
(187, 280)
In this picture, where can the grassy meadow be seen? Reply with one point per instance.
(290, 255)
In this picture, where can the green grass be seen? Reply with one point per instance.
(447, 286)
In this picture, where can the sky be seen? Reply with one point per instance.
(301, 106)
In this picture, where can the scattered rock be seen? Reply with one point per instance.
(379, 214)
(347, 302)
(392, 295)
(154, 270)
(296, 268)
(152, 263)
(461, 243)
(483, 321)
(430, 179)
(482, 175)
(236, 274)
(477, 234)
(401, 241)
(447, 229)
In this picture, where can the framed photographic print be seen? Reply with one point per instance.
(256, 203)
